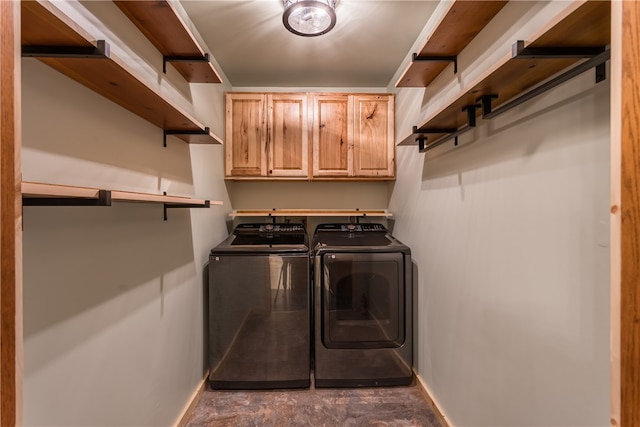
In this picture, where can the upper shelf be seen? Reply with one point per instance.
(51, 36)
(462, 22)
(162, 25)
(583, 33)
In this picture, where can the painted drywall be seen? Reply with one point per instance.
(510, 234)
(113, 305)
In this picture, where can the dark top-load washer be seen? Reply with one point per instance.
(363, 307)
(259, 308)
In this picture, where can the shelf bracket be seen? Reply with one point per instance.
(167, 206)
(166, 132)
(518, 51)
(183, 58)
(103, 199)
(100, 51)
(438, 58)
(422, 139)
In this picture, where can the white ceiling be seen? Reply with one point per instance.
(368, 44)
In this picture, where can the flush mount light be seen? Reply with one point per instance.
(309, 18)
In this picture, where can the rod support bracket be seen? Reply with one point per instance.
(422, 140)
(471, 114)
(485, 101)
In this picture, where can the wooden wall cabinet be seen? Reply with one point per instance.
(353, 136)
(268, 135)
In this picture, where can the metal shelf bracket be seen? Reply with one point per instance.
(179, 58)
(103, 199)
(518, 51)
(167, 206)
(422, 139)
(100, 51)
(438, 58)
(166, 132)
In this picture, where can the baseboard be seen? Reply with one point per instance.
(436, 408)
(188, 410)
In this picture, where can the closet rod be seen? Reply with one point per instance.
(575, 71)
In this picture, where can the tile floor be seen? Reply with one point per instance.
(384, 406)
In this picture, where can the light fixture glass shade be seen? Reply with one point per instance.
(309, 17)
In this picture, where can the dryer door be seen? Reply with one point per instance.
(363, 299)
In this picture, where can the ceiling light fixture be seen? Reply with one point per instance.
(309, 18)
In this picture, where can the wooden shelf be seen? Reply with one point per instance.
(48, 34)
(37, 189)
(462, 22)
(587, 25)
(310, 212)
(126, 196)
(162, 25)
(36, 193)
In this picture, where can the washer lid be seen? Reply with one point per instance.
(349, 234)
(265, 238)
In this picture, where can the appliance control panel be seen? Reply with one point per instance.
(268, 228)
(352, 228)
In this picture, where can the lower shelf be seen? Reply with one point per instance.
(311, 212)
(41, 194)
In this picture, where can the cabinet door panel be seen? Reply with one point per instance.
(333, 135)
(246, 135)
(288, 135)
(374, 150)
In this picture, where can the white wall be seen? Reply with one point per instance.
(113, 295)
(510, 233)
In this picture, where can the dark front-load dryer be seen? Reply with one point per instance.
(363, 307)
(259, 308)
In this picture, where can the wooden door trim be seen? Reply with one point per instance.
(625, 209)
(10, 218)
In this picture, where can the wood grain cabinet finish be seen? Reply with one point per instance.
(333, 135)
(374, 148)
(267, 135)
(287, 135)
(353, 136)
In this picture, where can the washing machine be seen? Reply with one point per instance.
(362, 307)
(259, 308)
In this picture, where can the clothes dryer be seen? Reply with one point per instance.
(363, 307)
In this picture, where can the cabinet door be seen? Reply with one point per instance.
(333, 135)
(245, 135)
(374, 148)
(287, 135)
